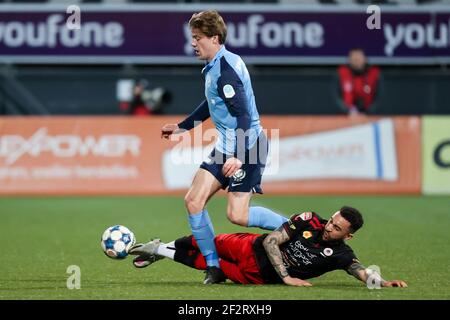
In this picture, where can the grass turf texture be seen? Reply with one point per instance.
(407, 237)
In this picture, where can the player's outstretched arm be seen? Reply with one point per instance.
(272, 245)
(362, 273)
(200, 114)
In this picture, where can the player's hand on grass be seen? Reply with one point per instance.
(169, 129)
(231, 166)
(395, 283)
(296, 282)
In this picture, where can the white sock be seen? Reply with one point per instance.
(167, 250)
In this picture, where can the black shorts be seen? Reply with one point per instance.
(248, 177)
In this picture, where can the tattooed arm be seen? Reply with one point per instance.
(364, 274)
(357, 270)
(272, 245)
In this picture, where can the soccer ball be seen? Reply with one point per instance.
(116, 241)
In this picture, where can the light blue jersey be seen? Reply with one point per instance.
(230, 99)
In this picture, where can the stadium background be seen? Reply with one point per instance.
(73, 163)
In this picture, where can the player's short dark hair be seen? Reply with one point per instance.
(210, 23)
(353, 216)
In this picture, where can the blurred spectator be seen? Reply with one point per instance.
(358, 85)
(145, 100)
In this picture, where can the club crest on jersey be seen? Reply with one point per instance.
(307, 234)
(327, 252)
(239, 175)
(228, 91)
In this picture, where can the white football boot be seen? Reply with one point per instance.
(146, 253)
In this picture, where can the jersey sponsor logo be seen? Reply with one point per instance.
(239, 175)
(228, 91)
(307, 234)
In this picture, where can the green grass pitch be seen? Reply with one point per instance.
(407, 237)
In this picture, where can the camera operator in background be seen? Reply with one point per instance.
(358, 87)
(145, 100)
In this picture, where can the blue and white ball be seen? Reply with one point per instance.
(116, 241)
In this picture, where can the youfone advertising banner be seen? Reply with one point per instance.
(268, 34)
(436, 154)
(126, 156)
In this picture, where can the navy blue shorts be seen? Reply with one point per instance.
(248, 177)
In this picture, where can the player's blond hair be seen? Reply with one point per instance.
(210, 23)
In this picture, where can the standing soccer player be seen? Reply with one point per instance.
(239, 156)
